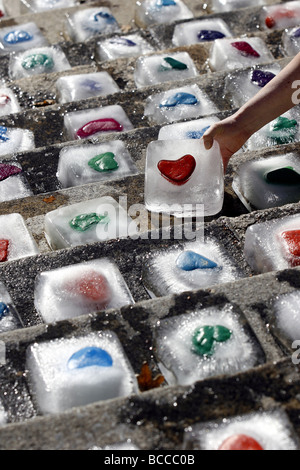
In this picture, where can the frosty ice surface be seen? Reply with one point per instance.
(195, 32)
(273, 245)
(183, 173)
(8, 102)
(263, 430)
(84, 164)
(45, 5)
(21, 38)
(87, 23)
(161, 68)
(291, 41)
(186, 130)
(15, 240)
(268, 182)
(65, 373)
(36, 61)
(90, 122)
(204, 343)
(9, 318)
(280, 16)
(83, 86)
(80, 289)
(15, 140)
(149, 12)
(283, 130)
(123, 46)
(177, 104)
(243, 85)
(229, 54)
(194, 265)
(231, 5)
(13, 184)
(87, 222)
(286, 313)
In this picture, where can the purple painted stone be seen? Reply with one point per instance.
(7, 170)
(261, 78)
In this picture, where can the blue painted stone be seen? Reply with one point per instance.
(261, 78)
(165, 3)
(105, 16)
(209, 35)
(179, 98)
(296, 34)
(3, 134)
(189, 261)
(122, 42)
(196, 134)
(4, 310)
(16, 37)
(90, 356)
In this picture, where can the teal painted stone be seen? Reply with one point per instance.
(205, 337)
(189, 261)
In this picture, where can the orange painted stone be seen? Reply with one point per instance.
(179, 171)
(240, 442)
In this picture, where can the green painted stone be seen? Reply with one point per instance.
(172, 64)
(84, 222)
(35, 60)
(204, 339)
(285, 175)
(283, 130)
(104, 162)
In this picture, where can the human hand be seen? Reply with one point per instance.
(229, 135)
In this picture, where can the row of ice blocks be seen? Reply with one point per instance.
(273, 245)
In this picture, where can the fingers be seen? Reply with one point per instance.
(208, 141)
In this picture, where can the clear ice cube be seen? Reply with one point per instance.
(87, 23)
(45, 5)
(286, 313)
(273, 245)
(231, 5)
(37, 61)
(186, 130)
(198, 31)
(268, 182)
(8, 102)
(92, 122)
(123, 46)
(15, 239)
(205, 343)
(291, 41)
(243, 85)
(195, 265)
(283, 130)
(178, 104)
(66, 373)
(9, 317)
(15, 140)
(149, 12)
(83, 86)
(13, 184)
(82, 164)
(262, 430)
(229, 54)
(90, 221)
(182, 177)
(83, 288)
(21, 38)
(280, 16)
(162, 68)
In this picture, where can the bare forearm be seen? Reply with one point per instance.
(271, 101)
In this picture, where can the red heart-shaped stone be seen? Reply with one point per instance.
(240, 442)
(4, 250)
(179, 171)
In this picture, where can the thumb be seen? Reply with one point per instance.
(208, 141)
